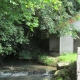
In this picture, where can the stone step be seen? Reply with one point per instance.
(61, 65)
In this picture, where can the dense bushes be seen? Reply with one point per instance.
(47, 60)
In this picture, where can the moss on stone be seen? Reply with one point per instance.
(67, 73)
(57, 78)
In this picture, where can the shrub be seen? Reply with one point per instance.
(47, 60)
(29, 54)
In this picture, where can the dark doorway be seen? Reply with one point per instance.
(54, 42)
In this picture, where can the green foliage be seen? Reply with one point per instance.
(67, 73)
(68, 57)
(52, 61)
(25, 55)
(29, 54)
(62, 74)
(56, 14)
(16, 16)
(73, 71)
(46, 60)
(10, 37)
(19, 19)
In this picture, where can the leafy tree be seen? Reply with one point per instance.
(20, 20)
(56, 15)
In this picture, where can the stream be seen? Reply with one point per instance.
(24, 76)
(26, 71)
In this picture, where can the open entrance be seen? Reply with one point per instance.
(54, 41)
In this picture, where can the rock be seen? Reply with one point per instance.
(62, 72)
(59, 72)
(52, 72)
(61, 65)
(37, 71)
(57, 78)
(61, 75)
(67, 78)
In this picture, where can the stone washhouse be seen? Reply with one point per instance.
(64, 44)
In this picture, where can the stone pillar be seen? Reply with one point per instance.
(78, 64)
(76, 43)
(66, 44)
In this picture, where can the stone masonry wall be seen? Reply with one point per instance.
(54, 43)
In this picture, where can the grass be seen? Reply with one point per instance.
(66, 57)
(71, 57)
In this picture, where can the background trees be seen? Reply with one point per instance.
(23, 22)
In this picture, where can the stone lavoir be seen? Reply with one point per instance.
(64, 44)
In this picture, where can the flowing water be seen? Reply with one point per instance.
(24, 76)
(25, 71)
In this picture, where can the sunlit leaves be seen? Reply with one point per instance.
(56, 4)
(33, 23)
(60, 12)
(19, 17)
(78, 1)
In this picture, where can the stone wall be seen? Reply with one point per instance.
(54, 43)
(66, 44)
